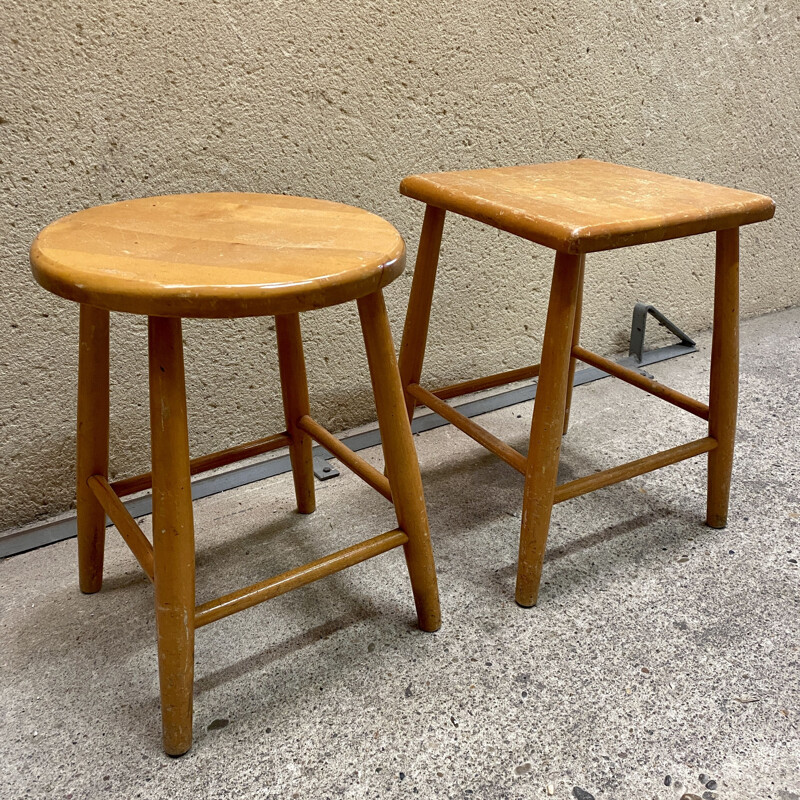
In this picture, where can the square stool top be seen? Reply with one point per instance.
(582, 206)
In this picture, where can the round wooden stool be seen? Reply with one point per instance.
(226, 255)
(578, 207)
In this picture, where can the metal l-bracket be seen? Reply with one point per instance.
(324, 469)
(640, 312)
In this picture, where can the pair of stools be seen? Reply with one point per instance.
(227, 255)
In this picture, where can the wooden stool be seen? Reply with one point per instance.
(226, 255)
(579, 207)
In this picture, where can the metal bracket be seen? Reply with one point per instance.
(640, 312)
(324, 469)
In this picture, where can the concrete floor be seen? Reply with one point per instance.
(659, 647)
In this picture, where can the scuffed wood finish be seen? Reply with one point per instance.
(217, 255)
(584, 205)
(402, 467)
(92, 457)
(226, 255)
(576, 207)
(173, 532)
(547, 426)
(724, 389)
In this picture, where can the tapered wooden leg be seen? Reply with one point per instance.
(92, 443)
(401, 459)
(547, 426)
(415, 332)
(724, 391)
(294, 388)
(576, 340)
(173, 533)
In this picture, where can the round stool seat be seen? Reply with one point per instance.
(217, 255)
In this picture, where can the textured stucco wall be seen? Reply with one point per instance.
(106, 100)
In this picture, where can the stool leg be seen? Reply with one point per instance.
(92, 458)
(724, 391)
(173, 533)
(547, 426)
(294, 388)
(402, 466)
(576, 340)
(415, 331)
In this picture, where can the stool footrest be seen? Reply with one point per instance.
(642, 382)
(138, 483)
(489, 382)
(633, 468)
(125, 523)
(479, 434)
(376, 479)
(273, 587)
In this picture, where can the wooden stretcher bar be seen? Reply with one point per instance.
(125, 523)
(479, 434)
(138, 483)
(642, 382)
(623, 472)
(489, 382)
(362, 468)
(293, 579)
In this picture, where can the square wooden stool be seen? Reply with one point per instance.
(579, 207)
(225, 255)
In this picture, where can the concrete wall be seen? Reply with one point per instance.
(109, 100)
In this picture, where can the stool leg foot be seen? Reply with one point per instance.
(415, 331)
(547, 426)
(724, 390)
(402, 466)
(173, 533)
(93, 412)
(576, 340)
(294, 388)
